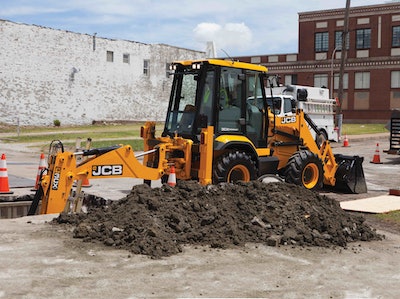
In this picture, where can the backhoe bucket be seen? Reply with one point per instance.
(350, 174)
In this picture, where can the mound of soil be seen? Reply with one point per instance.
(158, 221)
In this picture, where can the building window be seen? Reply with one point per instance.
(395, 79)
(290, 79)
(345, 81)
(396, 37)
(110, 56)
(321, 80)
(126, 58)
(321, 42)
(338, 40)
(146, 67)
(361, 80)
(363, 39)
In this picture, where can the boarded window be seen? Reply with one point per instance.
(361, 100)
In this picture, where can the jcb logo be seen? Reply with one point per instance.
(56, 178)
(104, 170)
(288, 120)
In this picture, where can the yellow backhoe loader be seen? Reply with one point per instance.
(218, 128)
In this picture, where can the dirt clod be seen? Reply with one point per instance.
(159, 221)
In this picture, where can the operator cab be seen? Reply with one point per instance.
(216, 93)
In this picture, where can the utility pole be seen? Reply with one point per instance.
(339, 114)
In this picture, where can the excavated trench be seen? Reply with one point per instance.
(159, 221)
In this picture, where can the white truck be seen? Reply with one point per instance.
(314, 101)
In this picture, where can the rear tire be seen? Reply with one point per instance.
(305, 169)
(232, 167)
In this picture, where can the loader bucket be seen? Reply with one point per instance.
(350, 174)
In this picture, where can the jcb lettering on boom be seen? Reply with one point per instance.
(106, 170)
(288, 120)
(56, 178)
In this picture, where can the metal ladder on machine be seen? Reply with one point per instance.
(394, 136)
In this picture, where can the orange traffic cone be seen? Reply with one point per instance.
(4, 186)
(86, 183)
(41, 169)
(345, 141)
(172, 177)
(376, 159)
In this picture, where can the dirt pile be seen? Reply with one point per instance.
(157, 222)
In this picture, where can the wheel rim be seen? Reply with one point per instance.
(238, 173)
(310, 176)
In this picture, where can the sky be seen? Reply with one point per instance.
(237, 27)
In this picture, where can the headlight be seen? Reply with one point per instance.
(196, 66)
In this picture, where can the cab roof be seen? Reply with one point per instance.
(227, 63)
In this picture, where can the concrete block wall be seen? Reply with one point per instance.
(48, 74)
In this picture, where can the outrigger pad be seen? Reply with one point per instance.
(350, 174)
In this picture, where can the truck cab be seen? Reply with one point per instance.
(314, 101)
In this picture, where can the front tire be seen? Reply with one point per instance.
(305, 169)
(235, 166)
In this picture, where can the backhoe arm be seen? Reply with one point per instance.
(63, 171)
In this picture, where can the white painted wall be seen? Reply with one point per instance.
(48, 74)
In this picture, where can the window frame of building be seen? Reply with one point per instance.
(321, 41)
(362, 80)
(290, 79)
(338, 40)
(395, 79)
(126, 58)
(321, 80)
(146, 67)
(110, 56)
(336, 81)
(363, 38)
(396, 36)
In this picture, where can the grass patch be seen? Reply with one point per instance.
(137, 144)
(73, 136)
(356, 129)
(69, 134)
(391, 217)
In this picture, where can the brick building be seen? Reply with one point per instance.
(371, 78)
